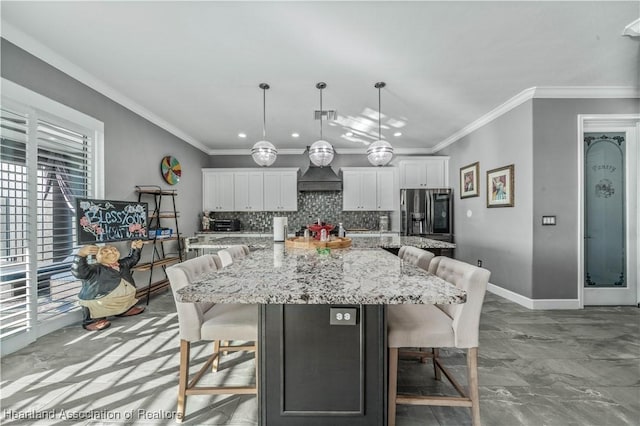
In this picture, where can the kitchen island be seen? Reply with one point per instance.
(318, 367)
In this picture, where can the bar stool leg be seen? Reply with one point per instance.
(472, 367)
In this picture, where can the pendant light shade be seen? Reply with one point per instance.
(263, 152)
(321, 152)
(380, 152)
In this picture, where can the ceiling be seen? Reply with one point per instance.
(194, 67)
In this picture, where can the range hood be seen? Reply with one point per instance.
(319, 179)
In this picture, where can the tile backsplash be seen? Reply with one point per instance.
(326, 206)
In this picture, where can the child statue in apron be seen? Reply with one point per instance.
(108, 288)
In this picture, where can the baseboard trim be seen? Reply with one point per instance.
(533, 304)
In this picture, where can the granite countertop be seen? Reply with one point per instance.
(382, 241)
(277, 275)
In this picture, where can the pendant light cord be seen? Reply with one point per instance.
(264, 113)
(321, 114)
(379, 116)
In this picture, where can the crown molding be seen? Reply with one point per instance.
(396, 151)
(633, 29)
(42, 52)
(345, 151)
(247, 151)
(512, 103)
(586, 92)
(558, 92)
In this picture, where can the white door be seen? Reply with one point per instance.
(289, 191)
(414, 174)
(351, 190)
(369, 190)
(272, 190)
(436, 173)
(610, 213)
(386, 189)
(241, 191)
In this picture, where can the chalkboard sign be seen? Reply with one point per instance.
(101, 221)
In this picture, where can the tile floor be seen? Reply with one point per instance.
(536, 368)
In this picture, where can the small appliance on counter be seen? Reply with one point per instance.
(279, 229)
(225, 225)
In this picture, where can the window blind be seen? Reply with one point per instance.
(14, 225)
(37, 290)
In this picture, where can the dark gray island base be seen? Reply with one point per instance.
(314, 373)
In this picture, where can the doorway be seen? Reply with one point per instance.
(609, 220)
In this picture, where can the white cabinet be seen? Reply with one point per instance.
(217, 191)
(281, 190)
(359, 190)
(248, 191)
(388, 194)
(369, 189)
(426, 172)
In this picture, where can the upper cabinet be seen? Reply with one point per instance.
(359, 189)
(424, 172)
(248, 191)
(281, 190)
(217, 190)
(369, 188)
(388, 194)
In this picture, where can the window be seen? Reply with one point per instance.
(48, 158)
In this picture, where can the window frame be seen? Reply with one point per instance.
(37, 107)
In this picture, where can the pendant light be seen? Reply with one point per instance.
(379, 152)
(263, 152)
(321, 152)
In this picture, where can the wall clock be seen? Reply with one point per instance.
(171, 169)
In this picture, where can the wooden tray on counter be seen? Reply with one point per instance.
(301, 242)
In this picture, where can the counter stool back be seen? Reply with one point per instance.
(420, 258)
(212, 322)
(416, 256)
(440, 326)
(232, 253)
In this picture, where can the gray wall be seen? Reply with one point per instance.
(500, 237)
(540, 138)
(555, 189)
(133, 146)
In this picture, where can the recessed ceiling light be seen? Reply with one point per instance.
(397, 134)
(242, 135)
(295, 135)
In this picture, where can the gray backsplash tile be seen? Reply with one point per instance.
(326, 206)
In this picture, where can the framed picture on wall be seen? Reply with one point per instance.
(470, 180)
(500, 187)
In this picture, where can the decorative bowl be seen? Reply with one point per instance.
(318, 229)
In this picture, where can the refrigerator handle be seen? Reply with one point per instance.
(427, 211)
(432, 213)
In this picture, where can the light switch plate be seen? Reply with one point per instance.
(343, 316)
(548, 220)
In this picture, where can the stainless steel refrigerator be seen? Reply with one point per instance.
(427, 212)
